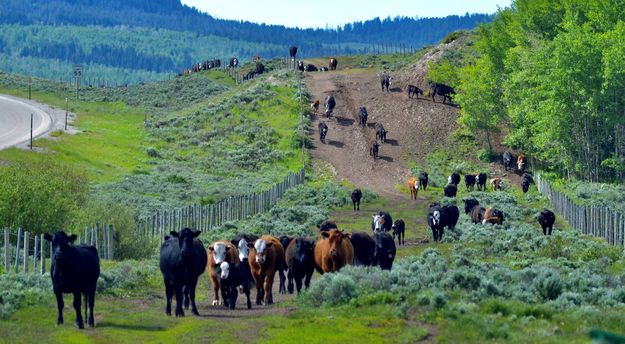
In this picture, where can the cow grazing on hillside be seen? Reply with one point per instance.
(493, 216)
(374, 150)
(414, 91)
(385, 82)
(364, 248)
(314, 106)
(300, 259)
(285, 240)
(454, 178)
(546, 219)
(507, 160)
(330, 105)
(450, 190)
(356, 196)
(382, 222)
(399, 229)
(473, 209)
(496, 183)
(74, 269)
(219, 252)
(385, 251)
(233, 276)
(436, 221)
(183, 259)
(469, 181)
(362, 116)
(423, 180)
(441, 90)
(481, 181)
(266, 257)
(521, 162)
(413, 187)
(292, 51)
(332, 64)
(526, 181)
(380, 132)
(333, 251)
(323, 131)
(327, 225)
(233, 63)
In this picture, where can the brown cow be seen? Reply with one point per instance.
(496, 183)
(521, 162)
(315, 105)
(413, 186)
(493, 216)
(333, 251)
(266, 257)
(219, 252)
(332, 64)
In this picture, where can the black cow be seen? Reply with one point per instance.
(74, 269)
(285, 240)
(362, 116)
(526, 180)
(450, 190)
(374, 149)
(327, 225)
(300, 66)
(507, 161)
(385, 81)
(546, 220)
(384, 251)
(364, 248)
(414, 90)
(441, 90)
(473, 209)
(454, 178)
(183, 259)
(310, 68)
(260, 68)
(451, 214)
(233, 63)
(330, 105)
(300, 258)
(423, 180)
(399, 229)
(233, 276)
(469, 181)
(436, 221)
(292, 51)
(469, 204)
(323, 69)
(380, 132)
(323, 131)
(481, 181)
(384, 224)
(356, 196)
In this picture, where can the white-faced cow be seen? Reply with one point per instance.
(75, 270)
(323, 131)
(382, 222)
(481, 181)
(182, 261)
(454, 178)
(266, 257)
(233, 276)
(330, 105)
(219, 252)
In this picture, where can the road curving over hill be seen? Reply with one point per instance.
(15, 122)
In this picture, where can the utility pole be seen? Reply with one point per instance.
(31, 131)
(30, 81)
(66, 109)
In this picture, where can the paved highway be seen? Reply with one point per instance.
(15, 122)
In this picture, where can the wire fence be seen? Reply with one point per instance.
(23, 251)
(206, 217)
(592, 220)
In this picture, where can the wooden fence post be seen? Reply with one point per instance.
(42, 266)
(17, 249)
(111, 236)
(36, 250)
(6, 249)
(26, 249)
(105, 242)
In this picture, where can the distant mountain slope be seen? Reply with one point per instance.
(143, 40)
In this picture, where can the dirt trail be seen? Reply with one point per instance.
(415, 127)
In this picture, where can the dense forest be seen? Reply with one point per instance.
(155, 39)
(553, 74)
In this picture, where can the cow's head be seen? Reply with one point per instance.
(185, 241)
(335, 238)
(244, 251)
(60, 244)
(469, 204)
(436, 217)
(261, 247)
(305, 247)
(225, 270)
(219, 250)
(378, 223)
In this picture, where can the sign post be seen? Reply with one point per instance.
(77, 76)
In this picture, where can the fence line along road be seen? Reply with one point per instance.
(22, 251)
(207, 217)
(593, 220)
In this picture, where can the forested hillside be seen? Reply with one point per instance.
(552, 75)
(134, 41)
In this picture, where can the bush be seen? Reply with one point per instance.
(19, 290)
(329, 290)
(124, 278)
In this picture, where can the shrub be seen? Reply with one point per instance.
(548, 284)
(329, 290)
(19, 290)
(124, 278)
(152, 152)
